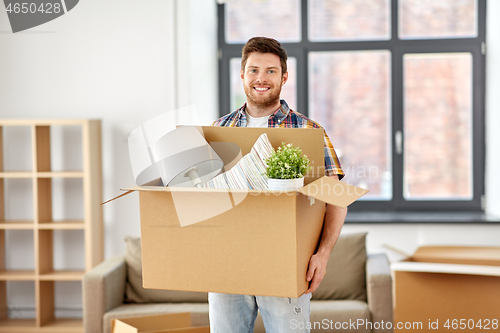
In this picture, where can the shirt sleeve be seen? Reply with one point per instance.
(332, 163)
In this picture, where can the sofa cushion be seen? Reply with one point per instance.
(135, 293)
(338, 316)
(345, 277)
(345, 274)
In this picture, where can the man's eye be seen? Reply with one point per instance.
(271, 71)
(253, 71)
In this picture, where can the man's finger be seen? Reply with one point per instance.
(315, 282)
(310, 273)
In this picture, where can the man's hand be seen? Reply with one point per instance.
(316, 272)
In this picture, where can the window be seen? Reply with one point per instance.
(397, 84)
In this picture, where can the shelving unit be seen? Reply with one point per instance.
(43, 223)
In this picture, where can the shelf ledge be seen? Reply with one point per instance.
(17, 275)
(62, 225)
(60, 174)
(17, 224)
(29, 275)
(43, 174)
(16, 174)
(65, 275)
(59, 325)
(49, 225)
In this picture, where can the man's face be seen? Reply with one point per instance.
(262, 79)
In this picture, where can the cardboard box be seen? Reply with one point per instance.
(171, 322)
(444, 288)
(238, 241)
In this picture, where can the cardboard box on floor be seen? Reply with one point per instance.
(244, 241)
(448, 285)
(166, 323)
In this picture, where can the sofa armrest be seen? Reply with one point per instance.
(379, 289)
(103, 289)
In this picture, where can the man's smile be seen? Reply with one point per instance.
(261, 89)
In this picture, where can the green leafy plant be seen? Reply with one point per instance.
(287, 162)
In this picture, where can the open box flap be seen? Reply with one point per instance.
(333, 191)
(118, 326)
(325, 189)
(155, 323)
(154, 183)
(179, 189)
(466, 255)
(186, 189)
(432, 267)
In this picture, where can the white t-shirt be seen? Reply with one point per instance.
(256, 122)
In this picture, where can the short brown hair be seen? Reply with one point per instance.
(263, 45)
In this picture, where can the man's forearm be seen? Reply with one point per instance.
(332, 225)
(334, 220)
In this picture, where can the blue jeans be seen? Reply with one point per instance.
(236, 313)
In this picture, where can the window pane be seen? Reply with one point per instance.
(350, 96)
(279, 19)
(437, 18)
(349, 20)
(437, 126)
(288, 92)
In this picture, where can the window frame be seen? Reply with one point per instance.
(398, 48)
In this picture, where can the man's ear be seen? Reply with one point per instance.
(242, 74)
(284, 78)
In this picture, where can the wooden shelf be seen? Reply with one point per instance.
(44, 122)
(43, 225)
(62, 276)
(29, 275)
(45, 174)
(60, 174)
(63, 326)
(62, 225)
(51, 225)
(29, 326)
(16, 174)
(17, 224)
(17, 325)
(17, 275)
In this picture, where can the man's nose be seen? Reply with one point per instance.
(261, 77)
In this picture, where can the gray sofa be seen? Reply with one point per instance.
(356, 287)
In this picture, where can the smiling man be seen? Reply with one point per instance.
(262, 78)
(264, 72)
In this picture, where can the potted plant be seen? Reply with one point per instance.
(286, 168)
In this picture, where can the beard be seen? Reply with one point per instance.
(269, 100)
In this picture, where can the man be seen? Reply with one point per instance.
(264, 72)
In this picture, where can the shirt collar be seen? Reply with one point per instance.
(279, 115)
(282, 112)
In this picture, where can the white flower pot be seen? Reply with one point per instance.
(285, 184)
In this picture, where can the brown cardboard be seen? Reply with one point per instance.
(441, 283)
(470, 255)
(333, 191)
(239, 241)
(263, 253)
(171, 322)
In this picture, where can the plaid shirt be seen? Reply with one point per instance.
(285, 117)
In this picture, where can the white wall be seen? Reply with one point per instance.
(127, 61)
(113, 60)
